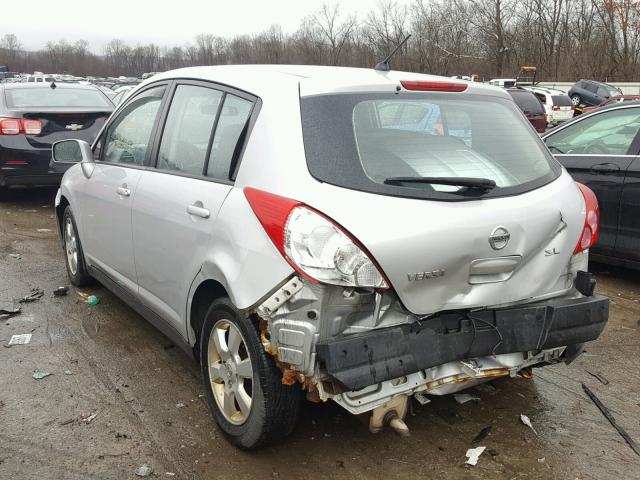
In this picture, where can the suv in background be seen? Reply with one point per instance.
(530, 106)
(590, 92)
(557, 104)
(358, 235)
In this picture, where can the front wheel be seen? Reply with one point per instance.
(74, 256)
(575, 99)
(243, 385)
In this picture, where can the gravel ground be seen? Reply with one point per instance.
(146, 396)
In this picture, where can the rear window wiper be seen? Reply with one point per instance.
(482, 183)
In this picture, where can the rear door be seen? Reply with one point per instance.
(106, 199)
(177, 202)
(597, 150)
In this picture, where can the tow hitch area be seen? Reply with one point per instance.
(363, 350)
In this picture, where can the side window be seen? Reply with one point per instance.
(127, 138)
(606, 133)
(602, 92)
(591, 87)
(233, 119)
(187, 131)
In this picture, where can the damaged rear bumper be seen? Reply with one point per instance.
(358, 361)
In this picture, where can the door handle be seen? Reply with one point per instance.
(197, 209)
(604, 168)
(123, 190)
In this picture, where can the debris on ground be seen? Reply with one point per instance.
(605, 411)
(10, 311)
(90, 299)
(15, 256)
(180, 405)
(524, 419)
(463, 398)
(87, 417)
(143, 470)
(39, 374)
(473, 454)
(598, 376)
(67, 422)
(68, 372)
(421, 398)
(61, 291)
(36, 294)
(484, 433)
(44, 230)
(21, 339)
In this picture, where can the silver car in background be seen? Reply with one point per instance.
(360, 236)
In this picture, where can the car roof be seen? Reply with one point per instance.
(262, 80)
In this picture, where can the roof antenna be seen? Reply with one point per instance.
(384, 66)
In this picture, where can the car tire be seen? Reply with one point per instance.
(73, 253)
(576, 99)
(249, 420)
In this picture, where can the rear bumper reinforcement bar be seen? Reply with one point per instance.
(358, 361)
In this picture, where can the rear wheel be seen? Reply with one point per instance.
(74, 256)
(244, 391)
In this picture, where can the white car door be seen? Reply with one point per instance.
(176, 204)
(121, 155)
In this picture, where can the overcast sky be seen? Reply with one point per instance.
(163, 22)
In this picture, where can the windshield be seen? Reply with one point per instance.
(58, 97)
(362, 141)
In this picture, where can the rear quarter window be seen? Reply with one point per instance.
(562, 100)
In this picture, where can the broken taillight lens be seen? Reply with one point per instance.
(315, 246)
(591, 228)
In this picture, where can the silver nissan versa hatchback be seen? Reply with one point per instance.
(348, 234)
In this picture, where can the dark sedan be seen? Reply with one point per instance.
(33, 117)
(602, 150)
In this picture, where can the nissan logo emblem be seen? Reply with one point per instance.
(499, 238)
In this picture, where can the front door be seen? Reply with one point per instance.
(176, 204)
(597, 151)
(110, 190)
(628, 244)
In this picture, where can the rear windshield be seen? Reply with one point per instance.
(58, 97)
(362, 141)
(562, 100)
(527, 101)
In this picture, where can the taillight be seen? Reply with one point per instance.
(434, 86)
(590, 230)
(15, 126)
(31, 127)
(556, 108)
(315, 246)
(10, 126)
(573, 107)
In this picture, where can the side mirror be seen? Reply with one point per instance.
(74, 151)
(71, 151)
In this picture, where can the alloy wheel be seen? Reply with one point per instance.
(230, 371)
(71, 245)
